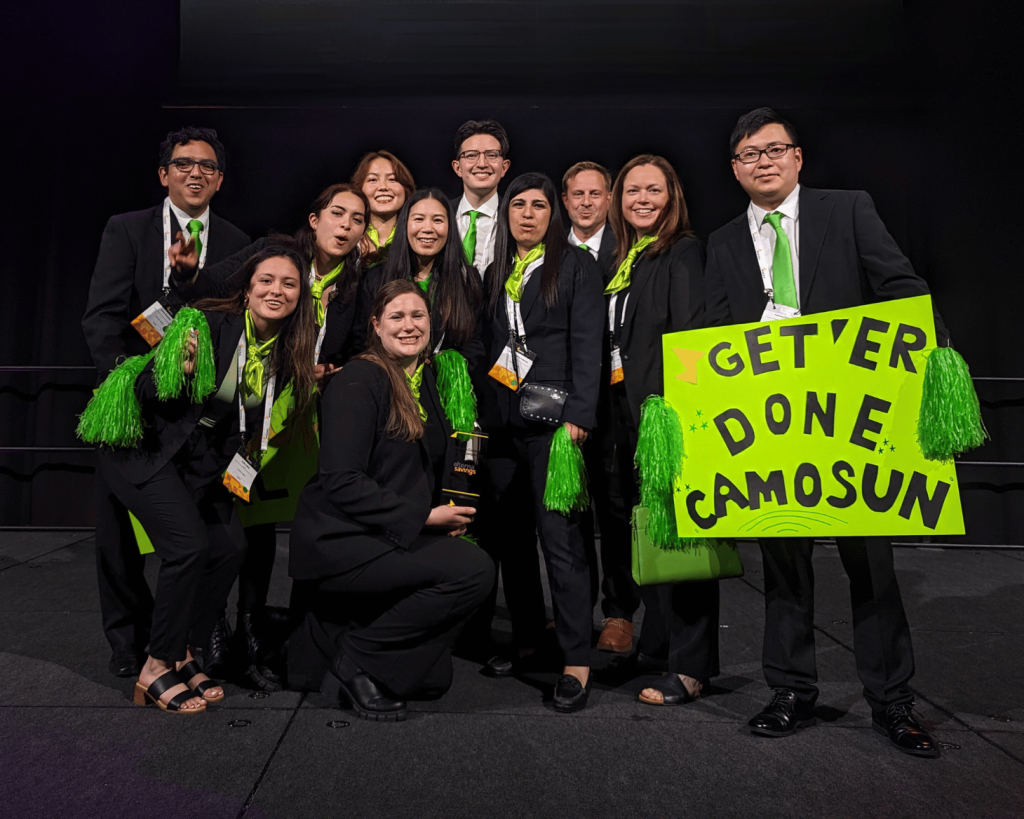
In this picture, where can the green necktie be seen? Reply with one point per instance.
(195, 227)
(584, 247)
(415, 382)
(318, 286)
(625, 272)
(514, 283)
(469, 240)
(371, 231)
(783, 286)
(255, 352)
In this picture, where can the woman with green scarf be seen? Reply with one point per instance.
(383, 580)
(242, 349)
(386, 183)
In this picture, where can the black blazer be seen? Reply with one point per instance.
(373, 278)
(372, 493)
(128, 278)
(847, 259)
(606, 254)
(168, 424)
(666, 295)
(565, 337)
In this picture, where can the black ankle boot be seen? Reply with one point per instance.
(258, 654)
(346, 680)
(215, 656)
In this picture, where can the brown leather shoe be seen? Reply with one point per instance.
(616, 636)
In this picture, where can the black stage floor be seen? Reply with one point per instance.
(72, 744)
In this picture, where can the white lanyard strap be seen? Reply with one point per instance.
(168, 241)
(323, 328)
(268, 404)
(764, 257)
(611, 310)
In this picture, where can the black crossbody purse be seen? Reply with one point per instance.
(537, 402)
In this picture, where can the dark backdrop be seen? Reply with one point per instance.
(912, 103)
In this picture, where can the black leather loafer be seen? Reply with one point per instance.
(344, 679)
(570, 694)
(783, 716)
(125, 662)
(499, 666)
(905, 733)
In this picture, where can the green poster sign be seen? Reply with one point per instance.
(807, 427)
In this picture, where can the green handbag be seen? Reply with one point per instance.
(652, 565)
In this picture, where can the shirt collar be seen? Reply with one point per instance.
(488, 208)
(183, 218)
(790, 207)
(594, 242)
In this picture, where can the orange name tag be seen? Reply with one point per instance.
(152, 322)
(240, 474)
(617, 375)
(505, 369)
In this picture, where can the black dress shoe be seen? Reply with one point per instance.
(125, 662)
(782, 716)
(570, 694)
(905, 733)
(345, 679)
(498, 666)
(258, 661)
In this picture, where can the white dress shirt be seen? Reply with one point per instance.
(790, 210)
(593, 243)
(486, 229)
(183, 220)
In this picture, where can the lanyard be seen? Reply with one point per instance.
(613, 309)
(513, 307)
(268, 404)
(764, 257)
(168, 241)
(323, 327)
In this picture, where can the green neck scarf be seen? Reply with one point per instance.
(415, 382)
(255, 352)
(514, 283)
(371, 232)
(625, 271)
(424, 284)
(318, 286)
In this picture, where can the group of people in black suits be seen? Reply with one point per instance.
(380, 283)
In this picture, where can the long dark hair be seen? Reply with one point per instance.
(292, 357)
(454, 289)
(674, 223)
(554, 240)
(404, 419)
(348, 282)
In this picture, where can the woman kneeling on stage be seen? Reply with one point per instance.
(374, 552)
(172, 480)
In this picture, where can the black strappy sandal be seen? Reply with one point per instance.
(163, 683)
(189, 670)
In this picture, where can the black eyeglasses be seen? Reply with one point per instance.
(185, 164)
(774, 151)
(473, 156)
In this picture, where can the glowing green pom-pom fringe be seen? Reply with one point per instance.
(113, 416)
(169, 367)
(456, 390)
(949, 422)
(566, 488)
(659, 455)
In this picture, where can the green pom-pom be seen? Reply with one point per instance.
(113, 416)
(566, 488)
(659, 455)
(169, 367)
(949, 421)
(456, 390)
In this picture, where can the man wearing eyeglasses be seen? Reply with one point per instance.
(129, 301)
(796, 251)
(481, 151)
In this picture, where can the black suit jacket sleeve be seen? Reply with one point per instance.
(213, 281)
(889, 273)
(358, 402)
(716, 297)
(586, 327)
(110, 292)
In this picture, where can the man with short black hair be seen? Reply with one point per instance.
(481, 160)
(131, 281)
(797, 251)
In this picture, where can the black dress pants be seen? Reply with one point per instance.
(200, 546)
(517, 471)
(257, 567)
(404, 609)
(126, 602)
(616, 491)
(881, 634)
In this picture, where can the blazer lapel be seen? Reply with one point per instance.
(225, 333)
(606, 253)
(643, 274)
(431, 400)
(531, 290)
(815, 213)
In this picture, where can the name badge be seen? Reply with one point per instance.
(777, 312)
(617, 375)
(153, 321)
(505, 369)
(241, 473)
